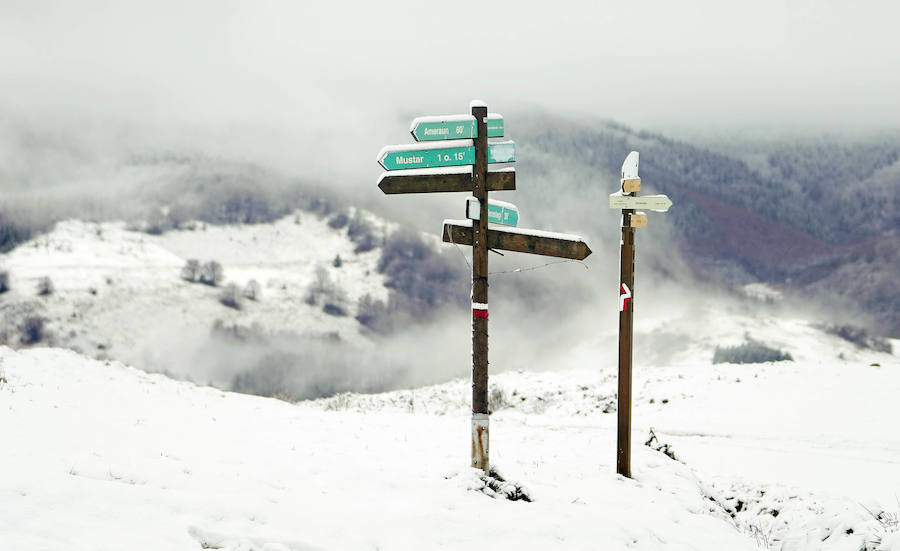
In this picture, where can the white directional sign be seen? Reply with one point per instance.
(658, 203)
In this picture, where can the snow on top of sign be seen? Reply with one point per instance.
(464, 169)
(503, 204)
(439, 118)
(477, 103)
(630, 166)
(423, 145)
(522, 231)
(447, 118)
(504, 169)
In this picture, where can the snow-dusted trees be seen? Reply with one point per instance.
(191, 270)
(323, 290)
(45, 286)
(209, 273)
(231, 296)
(252, 290)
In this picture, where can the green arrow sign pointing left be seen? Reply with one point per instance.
(400, 157)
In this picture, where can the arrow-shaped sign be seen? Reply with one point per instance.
(520, 240)
(453, 127)
(659, 203)
(499, 212)
(439, 180)
(452, 153)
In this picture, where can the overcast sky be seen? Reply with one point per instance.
(643, 63)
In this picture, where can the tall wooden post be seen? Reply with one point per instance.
(480, 418)
(626, 319)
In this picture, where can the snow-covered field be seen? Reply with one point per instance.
(799, 456)
(119, 294)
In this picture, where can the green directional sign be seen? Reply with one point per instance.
(453, 127)
(412, 156)
(499, 212)
(659, 203)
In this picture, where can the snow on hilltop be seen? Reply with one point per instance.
(99, 456)
(119, 293)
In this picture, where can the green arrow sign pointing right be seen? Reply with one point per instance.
(453, 127)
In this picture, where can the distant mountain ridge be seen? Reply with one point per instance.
(817, 217)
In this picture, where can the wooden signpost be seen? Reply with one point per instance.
(626, 199)
(468, 161)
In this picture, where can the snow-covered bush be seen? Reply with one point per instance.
(32, 329)
(4, 281)
(422, 277)
(859, 336)
(334, 308)
(252, 291)
(45, 286)
(191, 270)
(322, 289)
(361, 233)
(750, 352)
(339, 220)
(231, 296)
(211, 273)
(373, 314)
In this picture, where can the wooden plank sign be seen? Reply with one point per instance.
(451, 153)
(443, 180)
(453, 127)
(560, 245)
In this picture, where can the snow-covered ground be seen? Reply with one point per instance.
(119, 294)
(800, 456)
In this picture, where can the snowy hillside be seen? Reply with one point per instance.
(100, 456)
(119, 293)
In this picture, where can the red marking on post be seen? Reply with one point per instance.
(479, 313)
(624, 297)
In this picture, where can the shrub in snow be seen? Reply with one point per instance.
(32, 330)
(45, 286)
(324, 290)
(337, 262)
(4, 281)
(338, 221)
(860, 337)
(253, 290)
(231, 296)
(750, 352)
(362, 234)
(211, 273)
(334, 309)
(373, 314)
(654, 443)
(423, 278)
(191, 270)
